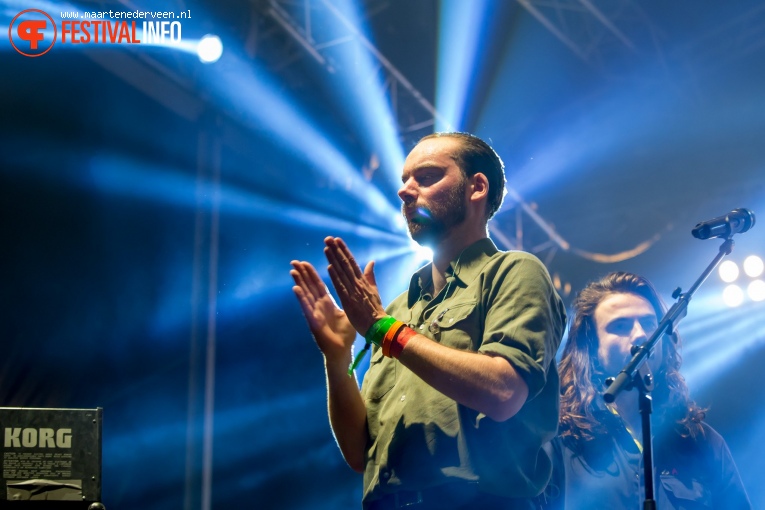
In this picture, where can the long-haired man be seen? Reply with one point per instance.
(599, 449)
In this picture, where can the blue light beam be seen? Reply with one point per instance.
(461, 27)
(363, 96)
(247, 89)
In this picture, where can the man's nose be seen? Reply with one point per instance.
(638, 333)
(406, 193)
(638, 337)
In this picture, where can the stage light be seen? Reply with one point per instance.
(756, 290)
(248, 89)
(400, 222)
(209, 49)
(360, 88)
(461, 32)
(129, 177)
(716, 346)
(728, 271)
(733, 296)
(422, 252)
(753, 266)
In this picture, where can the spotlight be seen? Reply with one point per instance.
(733, 296)
(209, 49)
(753, 266)
(756, 290)
(423, 252)
(728, 271)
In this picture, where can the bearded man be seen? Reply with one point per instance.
(462, 388)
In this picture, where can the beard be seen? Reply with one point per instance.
(432, 223)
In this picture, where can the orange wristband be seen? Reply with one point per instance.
(390, 336)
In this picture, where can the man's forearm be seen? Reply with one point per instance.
(347, 413)
(484, 383)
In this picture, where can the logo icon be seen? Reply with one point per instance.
(29, 30)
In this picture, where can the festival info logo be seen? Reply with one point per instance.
(32, 33)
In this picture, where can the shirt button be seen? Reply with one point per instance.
(403, 397)
(385, 475)
(422, 326)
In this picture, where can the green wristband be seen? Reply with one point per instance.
(377, 332)
(373, 330)
(384, 327)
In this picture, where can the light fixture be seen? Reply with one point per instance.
(209, 49)
(756, 290)
(728, 271)
(733, 296)
(753, 266)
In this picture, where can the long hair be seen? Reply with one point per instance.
(582, 378)
(474, 156)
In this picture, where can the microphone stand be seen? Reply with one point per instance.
(637, 375)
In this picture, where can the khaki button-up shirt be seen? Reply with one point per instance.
(497, 303)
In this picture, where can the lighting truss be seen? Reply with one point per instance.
(735, 38)
(597, 31)
(302, 20)
(413, 112)
(416, 115)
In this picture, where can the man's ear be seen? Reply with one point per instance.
(479, 187)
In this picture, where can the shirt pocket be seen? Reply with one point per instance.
(458, 326)
(687, 494)
(381, 376)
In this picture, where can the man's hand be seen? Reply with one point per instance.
(333, 332)
(357, 291)
(334, 335)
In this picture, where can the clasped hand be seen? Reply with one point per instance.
(332, 327)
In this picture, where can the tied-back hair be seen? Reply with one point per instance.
(582, 378)
(476, 156)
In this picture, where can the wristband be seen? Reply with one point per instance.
(377, 332)
(400, 341)
(358, 359)
(390, 336)
(384, 333)
(372, 331)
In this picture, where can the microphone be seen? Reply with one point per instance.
(735, 222)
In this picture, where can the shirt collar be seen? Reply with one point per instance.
(471, 262)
